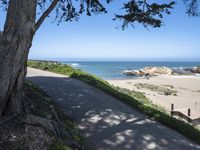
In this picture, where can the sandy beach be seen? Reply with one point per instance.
(187, 91)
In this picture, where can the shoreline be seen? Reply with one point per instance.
(197, 76)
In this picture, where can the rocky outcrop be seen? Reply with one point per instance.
(150, 71)
(158, 70)
(184, 71)
(193, 70)
(134, 73)
(196, 70)
(130, 72)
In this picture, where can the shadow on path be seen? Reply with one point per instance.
(107, 122)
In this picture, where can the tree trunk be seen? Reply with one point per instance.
(15, 42)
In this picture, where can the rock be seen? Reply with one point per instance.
(141, 73)
(183, 71)
(196, 70)
(150, 71)
(188, 69)
(167, 93)
(129, 72)
(158, 70)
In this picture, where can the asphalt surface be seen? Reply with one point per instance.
(107, 123)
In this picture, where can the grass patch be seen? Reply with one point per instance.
(156, 88)
(59, 145)
(133, 98)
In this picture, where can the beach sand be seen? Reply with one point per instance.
(187, 87)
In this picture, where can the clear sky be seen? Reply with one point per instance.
(98, 37)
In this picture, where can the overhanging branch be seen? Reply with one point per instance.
(45, 14)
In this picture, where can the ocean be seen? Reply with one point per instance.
(114, 69)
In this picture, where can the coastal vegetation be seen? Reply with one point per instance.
(156, 88)
(133, 98)
(61, 133)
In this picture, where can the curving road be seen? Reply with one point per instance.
(107, 123)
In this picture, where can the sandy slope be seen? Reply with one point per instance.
(188, 88)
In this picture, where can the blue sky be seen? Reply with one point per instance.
(100, 38)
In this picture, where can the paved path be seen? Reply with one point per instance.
(106, 122)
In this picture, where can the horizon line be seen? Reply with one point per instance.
(123, 60)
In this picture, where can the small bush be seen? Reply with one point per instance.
(156, 88)
(58, 145)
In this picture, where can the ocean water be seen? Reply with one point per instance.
(114, 69)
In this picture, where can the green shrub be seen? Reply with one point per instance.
(58, 145)
(156, 88)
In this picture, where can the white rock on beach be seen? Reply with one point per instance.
(157, 70)
(150, 71)
(196, 70)
(130, 72)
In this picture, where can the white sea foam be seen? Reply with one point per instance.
(75, 64)
(181, 68)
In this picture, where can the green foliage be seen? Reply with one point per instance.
(140, 11)
(144, 12)
(58, 145)
(156, 88)
(137, 95)
(133, 98)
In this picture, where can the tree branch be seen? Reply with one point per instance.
(45, 14)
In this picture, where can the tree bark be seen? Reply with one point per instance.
(15, 42)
